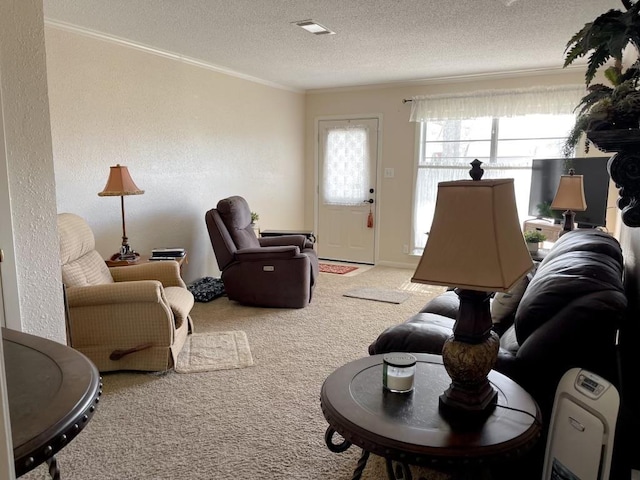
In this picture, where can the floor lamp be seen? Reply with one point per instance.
(120, 184)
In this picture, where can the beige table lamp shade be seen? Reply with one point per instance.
(120, 183)
(570, 194)
(475, 240)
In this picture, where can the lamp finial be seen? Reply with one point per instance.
(476, 172)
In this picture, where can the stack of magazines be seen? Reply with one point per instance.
(167, 253)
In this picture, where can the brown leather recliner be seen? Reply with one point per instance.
(265, 272)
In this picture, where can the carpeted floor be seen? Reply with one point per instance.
(260, 423)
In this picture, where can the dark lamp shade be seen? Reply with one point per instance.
(475, 241)
(570, 194)
(120, 183)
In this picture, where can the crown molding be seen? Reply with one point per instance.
(162, 53)
(558, 71)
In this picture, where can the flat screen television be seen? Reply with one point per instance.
(545, 177)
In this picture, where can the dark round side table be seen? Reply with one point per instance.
(53, 391)
(408, 428)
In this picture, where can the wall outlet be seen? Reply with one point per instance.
(405, 249)
(389, 173)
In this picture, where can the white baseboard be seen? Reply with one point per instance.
(397, 265)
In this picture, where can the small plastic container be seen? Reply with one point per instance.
(398, 372)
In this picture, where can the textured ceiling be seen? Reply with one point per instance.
(376, 41)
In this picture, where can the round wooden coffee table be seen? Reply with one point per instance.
(409, 429)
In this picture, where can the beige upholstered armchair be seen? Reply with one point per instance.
(124, 318)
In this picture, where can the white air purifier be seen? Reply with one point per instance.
(582, 429)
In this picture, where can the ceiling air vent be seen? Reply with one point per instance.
(314, 27)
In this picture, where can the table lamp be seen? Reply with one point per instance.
(475, 245)
(120, 184)
(569, 197)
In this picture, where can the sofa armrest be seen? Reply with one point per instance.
(261, 254)
(166, 272)
(422, 333)
(284, 240)
(149, 291)
(446, 304)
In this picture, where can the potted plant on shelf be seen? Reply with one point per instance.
(610, 115)
(533, 239)
(254, 218)
(614, 107)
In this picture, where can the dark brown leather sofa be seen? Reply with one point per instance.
(265, 272)
(568, 316)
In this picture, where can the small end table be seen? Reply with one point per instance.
(408, 428)
(145, 259)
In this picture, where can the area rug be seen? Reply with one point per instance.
(378, 295)
(205, 352)
(338, 269)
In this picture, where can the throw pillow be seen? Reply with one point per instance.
(206, 289)
(504, 304)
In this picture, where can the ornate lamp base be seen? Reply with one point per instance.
(468, 356)
(568, 222)
(126, 254)
(470, 393)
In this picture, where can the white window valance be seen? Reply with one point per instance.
(497, 103)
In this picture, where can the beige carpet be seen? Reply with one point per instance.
(204, 352)
(259, 423)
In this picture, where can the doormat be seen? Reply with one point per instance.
(378, 295)
(204, 352)
(338, 269)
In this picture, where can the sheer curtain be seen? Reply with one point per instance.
(346, 165)
(496, 126)
(497, 103)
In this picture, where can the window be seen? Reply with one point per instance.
(505, 145)
(346, 165)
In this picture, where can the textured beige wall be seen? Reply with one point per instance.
(189, 135)
(398, 144)
(33, 296)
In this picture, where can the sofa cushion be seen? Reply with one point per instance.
(181, 302)
(504, 304)
(89, 269)
(446, 304)
(572, 277)
(424, 333)
(81, 264)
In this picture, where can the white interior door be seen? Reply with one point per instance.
(347, 163)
